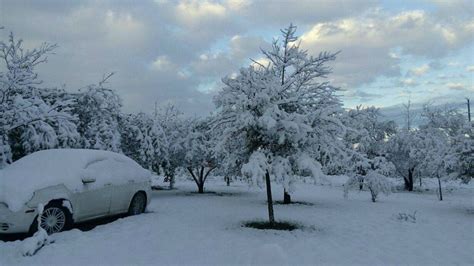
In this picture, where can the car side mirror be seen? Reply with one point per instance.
(88, 180)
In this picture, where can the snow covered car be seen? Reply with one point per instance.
(73, 185)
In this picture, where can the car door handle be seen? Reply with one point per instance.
(107, 185)
(131, 181)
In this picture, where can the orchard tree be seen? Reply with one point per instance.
(230, 156)
(434, 150)
(462, 153)
(175, 128)
(370, 174)
(270, 111)
(98, 109)
(402, 152)
(144, 140)
(367, 133)
(459, 133)
(199, 159)
(28, 122)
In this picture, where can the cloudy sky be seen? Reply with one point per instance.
(173, 51)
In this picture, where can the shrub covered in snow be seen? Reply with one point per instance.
(373, 182)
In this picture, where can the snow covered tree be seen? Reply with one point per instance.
(175, 128)
(434, 150)
(366, 135)
(462, 153)
(370, 174)
(28, 121)
(98, 109)
(230, 156)
(200, 157)
(144, 140)
(453, 129)
(272, 111)
(402, 152)
(367, 132)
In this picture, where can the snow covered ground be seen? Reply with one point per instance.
(183, 227)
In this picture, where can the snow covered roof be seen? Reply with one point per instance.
(53, 167)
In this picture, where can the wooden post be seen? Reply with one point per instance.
(440, 191)
(271, 217)
(468, 109)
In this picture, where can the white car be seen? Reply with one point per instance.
(73, 185)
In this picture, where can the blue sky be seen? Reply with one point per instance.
(177, 51)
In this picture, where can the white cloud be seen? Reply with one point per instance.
(281, 12)
(194, 12)
(470, 68)
(161, 63)
(455, 86)
(419, 71)
(367, 42)
(408, 83)
(237, 5)
(124, 29)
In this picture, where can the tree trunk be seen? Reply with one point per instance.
(409, 180)
(271, 217)
(227, 180)
(171, 186)
(440, 190)
(373, 194)
(286, 197)
(198, 179)
(201, 181)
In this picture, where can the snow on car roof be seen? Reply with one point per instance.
(42, 169)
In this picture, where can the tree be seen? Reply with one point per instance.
(144, 140)
(366, 132)
(199, 159)
(273, 119)
(28, 121)
(370, 174)
(458, 132)
(401, 151)
(175, 128)
(98, 109)
(366, 136)
(462, 153)
(433, 148)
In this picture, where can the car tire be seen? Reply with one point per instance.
(138, 204)
(55, 218)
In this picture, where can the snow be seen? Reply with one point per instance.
(191, 229)
(32, 245)
(52, 167)
(67, 204)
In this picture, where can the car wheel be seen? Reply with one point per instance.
(54, 219)
(138, 204)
